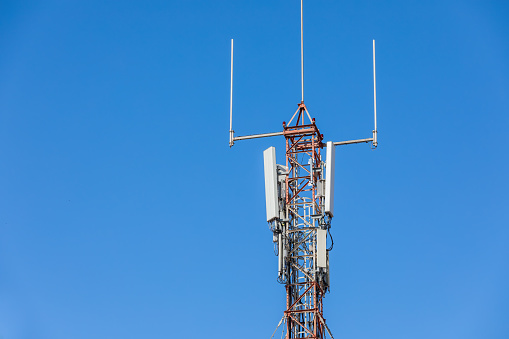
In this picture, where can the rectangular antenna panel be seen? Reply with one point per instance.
(329, 179)
(269, 166)
(281, 255)
(321, 248)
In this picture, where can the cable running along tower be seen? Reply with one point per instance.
(300, 206)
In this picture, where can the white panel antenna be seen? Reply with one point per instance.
(329, 179)
(281, 255)
(271, 201)
(321, 248)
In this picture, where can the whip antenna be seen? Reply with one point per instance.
(231, 98)
(302, 47)
(375, 132)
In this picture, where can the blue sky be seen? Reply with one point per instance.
(124, 214)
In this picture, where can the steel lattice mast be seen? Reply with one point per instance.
(306, 282)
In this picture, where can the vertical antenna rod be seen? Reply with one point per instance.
(375, 143)
(302, 47)
(231, 99)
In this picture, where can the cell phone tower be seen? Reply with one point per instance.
(300, 206)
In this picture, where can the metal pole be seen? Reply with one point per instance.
(302, 47)
(374, 96)
(231, 98)
(358, 141)
(254, 136)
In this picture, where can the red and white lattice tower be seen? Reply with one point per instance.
(300, 207)
(303, 228)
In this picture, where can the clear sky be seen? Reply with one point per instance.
(124, 213)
